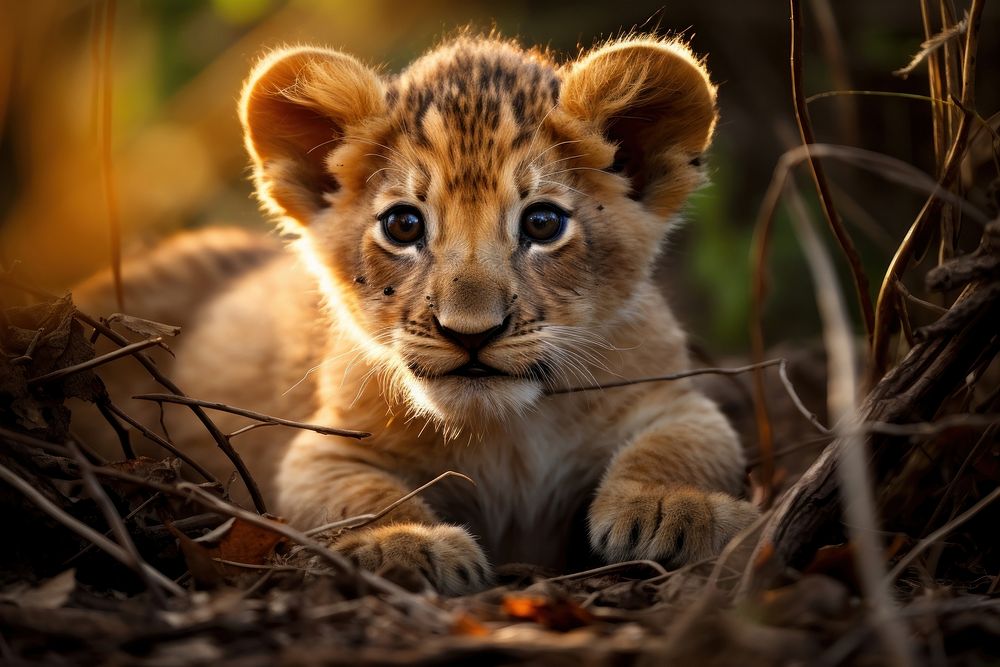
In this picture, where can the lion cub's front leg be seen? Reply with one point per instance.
(320, 482)
(669, 495)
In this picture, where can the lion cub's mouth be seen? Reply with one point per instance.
(472, 370)
(476, 369)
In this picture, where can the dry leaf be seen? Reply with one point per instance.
(143, 327)
(468, 626)
(50, 594)
(61, 343)
(203, 568)
(236, 541)
(241, 542)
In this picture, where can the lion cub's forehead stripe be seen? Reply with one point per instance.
(469, 107)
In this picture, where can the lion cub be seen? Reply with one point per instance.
(480, 232)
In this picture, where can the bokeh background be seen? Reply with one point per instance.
(176, 67)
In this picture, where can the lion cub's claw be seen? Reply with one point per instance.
(675, 526)
(447, 558)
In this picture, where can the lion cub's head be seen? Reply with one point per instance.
(478, 220)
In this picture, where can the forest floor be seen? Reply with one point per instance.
(196, 580)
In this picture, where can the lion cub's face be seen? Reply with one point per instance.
(477, 221)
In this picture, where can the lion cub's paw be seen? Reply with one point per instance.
(445, 557)
(673, 525)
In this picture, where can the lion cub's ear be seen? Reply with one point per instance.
(295, 109)
(656, 103)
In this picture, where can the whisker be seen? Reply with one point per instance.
(378, 171)
(563, 185)
(564, 171)
(556, 145)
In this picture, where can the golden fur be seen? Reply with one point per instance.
(470, 136)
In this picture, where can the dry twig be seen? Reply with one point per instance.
(220, 438)
(365, 519)
(96, 361)
(412, 603)
(916, 236)
(163, 442)
(260, 417)
(819, 176)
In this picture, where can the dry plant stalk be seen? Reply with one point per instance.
(819, 176)
(107, 169)
(886, 311)
(960, 343)
(858, 501)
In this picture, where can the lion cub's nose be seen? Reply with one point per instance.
(473, 341)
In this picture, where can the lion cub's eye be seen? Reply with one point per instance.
(403, 224)
(543, 222)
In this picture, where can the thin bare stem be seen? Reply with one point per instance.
(117, 526)
(96, 361)
(413, 602)
(667, 378)
(104, 407)
(260, 417)
(934, 86)
(107, 173)
(168, 384)
(916, 236)
(799, 405)
(781, 363)
(819, 176)
(250, 427)
(933, 307)
(365, 519)
(614, 567)
(163, 442)
(938, 534)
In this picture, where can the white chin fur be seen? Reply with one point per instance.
(454, 400)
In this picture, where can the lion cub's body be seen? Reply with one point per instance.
(364, 331)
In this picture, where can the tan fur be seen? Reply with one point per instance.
(471, 134)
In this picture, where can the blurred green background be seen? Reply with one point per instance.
(178, 160)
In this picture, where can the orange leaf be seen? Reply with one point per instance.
(555, 614)
(468, 626)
